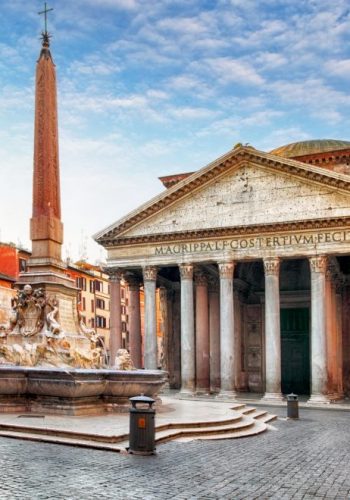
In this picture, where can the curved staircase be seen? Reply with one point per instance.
(188, 421)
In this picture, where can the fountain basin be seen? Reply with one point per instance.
(74, 391)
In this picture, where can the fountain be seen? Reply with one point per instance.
(49, 360)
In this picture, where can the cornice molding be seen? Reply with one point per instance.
(310, 224)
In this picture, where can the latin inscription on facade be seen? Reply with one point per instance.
(256, 242)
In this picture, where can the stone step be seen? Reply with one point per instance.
(58, 433)
(268, 418)
(238, 407)
(198, 433)
(258, 428)
(248, 410)
(196, 424)
(258, 414)
(248, 421)
(64, 440)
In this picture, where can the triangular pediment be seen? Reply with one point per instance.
(243, 188)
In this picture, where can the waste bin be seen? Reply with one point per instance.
(292, 406)
(142, 429)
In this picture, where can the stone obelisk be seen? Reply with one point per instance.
(46, 226)
(45, 267)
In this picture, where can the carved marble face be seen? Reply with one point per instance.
(28, 290)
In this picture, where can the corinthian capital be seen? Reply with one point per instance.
(115, 274)
(271, 266)
(149, 273)
(133, 282)
(186, 271)
(201, 278)
(226, 269)
(318, 264)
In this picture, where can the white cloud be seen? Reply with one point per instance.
(340, 67)
(118, 4)
(192, 113)
(233, 70)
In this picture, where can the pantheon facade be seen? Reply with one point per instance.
(251, 259)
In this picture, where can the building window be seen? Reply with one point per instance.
(22, 265)
(83, 304)
(123, 326)
(98, 286)
(100, 303)
(122, 291)
(92, 305)
(81, 283)
(92, 286)
(123, 308)
(92, 321)
(100, 322)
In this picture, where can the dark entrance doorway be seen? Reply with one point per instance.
(295, 347)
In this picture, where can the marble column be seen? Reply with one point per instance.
(188, 368)
(202, 333)
(174, 345)
(339, 316)
(272, 330)
(134, 311)
(163, 325)
(214, 335)
(150, 349)
(227, 344)
(331, 332)
(318, 266)
(237, 312)
(115, 335)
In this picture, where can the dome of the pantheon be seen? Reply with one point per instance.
(312, 147)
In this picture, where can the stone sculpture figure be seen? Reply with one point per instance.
(123, 360)
(37, 338)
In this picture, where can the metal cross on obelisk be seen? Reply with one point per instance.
(45, 11)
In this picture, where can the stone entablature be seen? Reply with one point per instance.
(243, 247)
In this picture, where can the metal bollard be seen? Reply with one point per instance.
(292, 406)
(142, 429)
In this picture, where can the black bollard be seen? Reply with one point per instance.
(292, 406)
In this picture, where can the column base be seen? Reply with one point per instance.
(226, 394)
(273, 397)
(186, 392)
(318, 399)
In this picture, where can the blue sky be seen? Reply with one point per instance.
(152, 87)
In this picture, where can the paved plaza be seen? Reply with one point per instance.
(309, 458)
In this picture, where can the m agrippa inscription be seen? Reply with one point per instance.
(256, 242)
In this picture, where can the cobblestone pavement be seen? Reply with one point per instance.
(308, 459)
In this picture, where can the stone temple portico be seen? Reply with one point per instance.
(252, 257)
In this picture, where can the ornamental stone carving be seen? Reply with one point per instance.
(201, 278)
(271, 266)
(115, 274)
(186, 271)
(226, 269)
(213, 285)
(149, 273)
(133, 283)
(318, 264)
